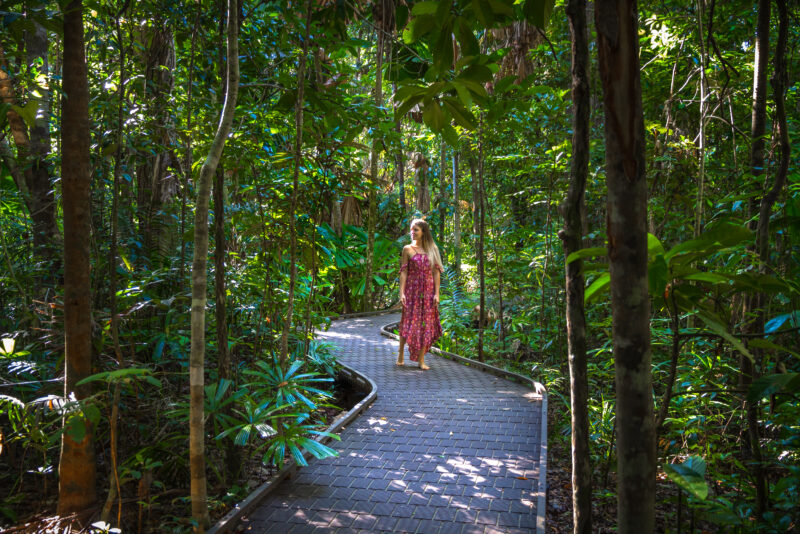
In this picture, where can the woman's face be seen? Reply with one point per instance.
(416, 233)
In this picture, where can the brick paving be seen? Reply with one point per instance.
(450, 450)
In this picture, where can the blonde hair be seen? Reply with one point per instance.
(427, 243)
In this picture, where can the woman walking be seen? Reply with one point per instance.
(420, 275)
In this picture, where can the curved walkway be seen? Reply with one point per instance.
(450, 450)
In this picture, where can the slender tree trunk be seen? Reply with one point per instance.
(701, 178)
(45, 231)
(456, 217)
(572, 238)
(76, 468)
(752, 302)
(33, 178)
(473, 171)
(442, 190)
(366, 304)
(298, 152)
(400, 161)
(618, 60)
(481, 262)
(187, 158)
(220, 292)
(493, 231)
(199, 283)
(114, 489)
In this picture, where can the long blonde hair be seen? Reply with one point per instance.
(427, 243)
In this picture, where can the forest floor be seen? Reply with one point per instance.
(604, 499)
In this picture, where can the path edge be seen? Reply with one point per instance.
(538, 389)
(231, 519)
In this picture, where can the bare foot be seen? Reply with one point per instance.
(424, 367)
(399, 363)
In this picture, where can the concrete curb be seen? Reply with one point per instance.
(229, 520)
(539, 390)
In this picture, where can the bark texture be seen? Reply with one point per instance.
(618, 60)
(76, 469)
(197, 357)
(572, 237)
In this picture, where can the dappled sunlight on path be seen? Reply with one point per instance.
(446, 450)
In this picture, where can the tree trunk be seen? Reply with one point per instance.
(45, 230)
(618, 60)
(188, 156)
(199, 283)
(442, 190)
(220, 253)
(33, 181)
(753, 302)
(481, 263)
(298, 147)
(701, 178)
(572, 237)
(400, 162)
(366, 304)
(154, 184)
(76, 468)
(456, 218)
(114, 485)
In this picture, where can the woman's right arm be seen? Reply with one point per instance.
(403, 276)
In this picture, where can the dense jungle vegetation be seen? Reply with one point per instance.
(189, 189)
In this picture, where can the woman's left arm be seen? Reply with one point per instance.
(437, 278)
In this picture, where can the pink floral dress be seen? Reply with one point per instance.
(420, 324)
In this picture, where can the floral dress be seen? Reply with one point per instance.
(420, 324)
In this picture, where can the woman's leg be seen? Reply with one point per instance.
(401, 352)
(422, 353)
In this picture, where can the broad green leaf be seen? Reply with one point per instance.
(587, 253)
(657, 276)
(75, 427)
(460, 115)
(690, 476)
(654, 246)
(424, 8)
(707, 277)
(766, 344)
(597, 287)
(466, 39)
(27, 112)
(770, 384)
(432, 116)
(443, 50)
(450, 135)
(727, 233)
(538, 12)
(718, 328)
(483, 12)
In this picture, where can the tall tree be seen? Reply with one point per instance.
(33, 146)
(76, 468)
(753, 302)
(456, 217)
(384, 18)
(572, 237)
(618, 62)
(197, 461)
(298, 152)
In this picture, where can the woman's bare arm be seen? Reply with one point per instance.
(403, 276)
(437, 278)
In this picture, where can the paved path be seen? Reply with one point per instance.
(450, 450)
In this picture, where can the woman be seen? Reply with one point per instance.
(420, 275)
